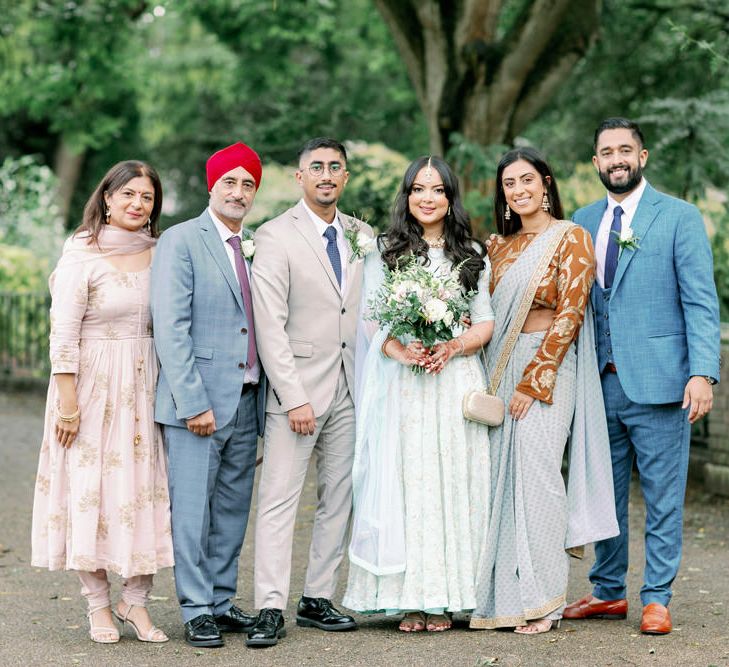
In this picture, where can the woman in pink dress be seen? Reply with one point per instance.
(101, 502)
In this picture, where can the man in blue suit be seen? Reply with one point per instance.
(208, 396)
(657, 318)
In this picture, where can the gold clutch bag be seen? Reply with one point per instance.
(482, 407)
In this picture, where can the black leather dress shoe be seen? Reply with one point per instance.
(203, 632)
(234, 620)
(269, 628)
(319, 613)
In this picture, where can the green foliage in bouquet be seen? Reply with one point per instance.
(415, 304)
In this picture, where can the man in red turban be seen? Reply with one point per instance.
(210, 399)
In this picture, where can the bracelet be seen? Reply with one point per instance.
(68, 418)
(383, 349)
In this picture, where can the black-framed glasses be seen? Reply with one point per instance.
(317, 169)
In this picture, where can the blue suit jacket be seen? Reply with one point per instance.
(664, 311)
(200, 326)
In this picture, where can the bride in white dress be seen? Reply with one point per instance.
(421, 471)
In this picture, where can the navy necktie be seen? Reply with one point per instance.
(611, 254)
(245, 292)
(333, 252)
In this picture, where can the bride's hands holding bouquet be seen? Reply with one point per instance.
(412, 354)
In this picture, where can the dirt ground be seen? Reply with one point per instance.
(42, 618)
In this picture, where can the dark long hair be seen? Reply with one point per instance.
(115, 179)
(405, 234)
(535, 159)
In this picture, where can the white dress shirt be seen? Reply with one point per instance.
(629, 206)
(252, 374)
(342, 246)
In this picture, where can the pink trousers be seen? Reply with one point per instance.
(95, 588)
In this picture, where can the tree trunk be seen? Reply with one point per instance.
(67, 167)
(481, 75)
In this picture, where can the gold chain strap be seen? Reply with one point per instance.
(523, 311)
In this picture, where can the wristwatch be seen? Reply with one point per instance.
(709, 379)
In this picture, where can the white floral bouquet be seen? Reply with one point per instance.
(415, 304)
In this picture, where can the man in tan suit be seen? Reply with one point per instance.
(307, 279)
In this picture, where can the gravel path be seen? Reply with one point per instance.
(42, 617)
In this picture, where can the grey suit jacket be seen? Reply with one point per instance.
(200, 326)
(305, 326)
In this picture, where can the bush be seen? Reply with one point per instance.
(29, 217)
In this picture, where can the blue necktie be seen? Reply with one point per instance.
(333, 252)
(611, 254)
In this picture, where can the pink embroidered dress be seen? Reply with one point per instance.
(103, 502)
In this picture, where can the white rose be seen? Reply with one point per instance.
(435, 310)
(448, 318)
(365, 242)
(626, 233)
(248, 248)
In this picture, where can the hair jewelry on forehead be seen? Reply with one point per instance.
(429, 170)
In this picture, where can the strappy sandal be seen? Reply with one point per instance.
(439, 622)
(413, 621)
(154, 635)
(99, 633)
(542, 625)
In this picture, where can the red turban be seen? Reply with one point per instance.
(226, 159)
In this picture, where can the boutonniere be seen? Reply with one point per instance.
(360, 243)
(247, 247)
(626, 240)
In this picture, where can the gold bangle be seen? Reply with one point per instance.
(383, 350)
(68, 418)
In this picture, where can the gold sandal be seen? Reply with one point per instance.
(439, 622)
(417, 621)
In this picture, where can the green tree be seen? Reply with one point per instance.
(67, 75)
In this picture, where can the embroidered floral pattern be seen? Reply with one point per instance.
(108, 343)
(565, 288)
(87, 453)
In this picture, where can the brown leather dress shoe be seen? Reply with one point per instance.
(656, 620)
(609, 609)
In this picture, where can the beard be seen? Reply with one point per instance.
(632, 180)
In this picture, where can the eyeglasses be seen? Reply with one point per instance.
(317, 169)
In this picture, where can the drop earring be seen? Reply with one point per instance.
(545, 202)
(507, 213)
(107, 215)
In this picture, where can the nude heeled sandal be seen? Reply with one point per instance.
(99, 633)
(150, 636)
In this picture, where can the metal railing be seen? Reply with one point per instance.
(24, 329)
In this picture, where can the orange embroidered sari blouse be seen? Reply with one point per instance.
(565, 288)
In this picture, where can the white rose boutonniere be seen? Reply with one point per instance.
(248, 248)
(360, 243)
(626, 240)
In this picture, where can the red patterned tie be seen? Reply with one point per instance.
(245, 291)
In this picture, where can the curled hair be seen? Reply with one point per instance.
(534, 158)
(405, 234)
(619, 123)
(115, 179)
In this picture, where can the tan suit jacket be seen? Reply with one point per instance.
(305, 326)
